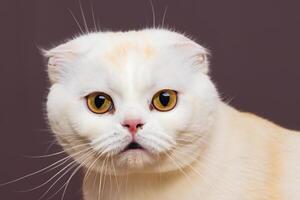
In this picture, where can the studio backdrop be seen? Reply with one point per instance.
(255, 64)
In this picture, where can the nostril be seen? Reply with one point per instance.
(139, 126)
(133, 125)
(126, 125)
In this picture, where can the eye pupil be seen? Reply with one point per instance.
(99, 101)
(164, 98)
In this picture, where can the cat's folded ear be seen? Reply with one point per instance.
(62, 57)
(57, 60)
(197, 54)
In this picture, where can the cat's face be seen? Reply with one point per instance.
(134, 101)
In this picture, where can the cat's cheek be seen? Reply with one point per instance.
(90, 125)
(172, 122)
(57, 109)
(68, 115)
(178, 118)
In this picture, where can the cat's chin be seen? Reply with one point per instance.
(135, 159)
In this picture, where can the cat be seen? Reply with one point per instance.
(138, 112)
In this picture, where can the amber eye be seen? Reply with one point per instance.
(164, 100)
(99, 102)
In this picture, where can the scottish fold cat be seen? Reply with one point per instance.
(139, 113)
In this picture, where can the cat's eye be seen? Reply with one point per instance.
(99, 102)
(164, 100)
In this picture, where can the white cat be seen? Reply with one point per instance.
(138, 111)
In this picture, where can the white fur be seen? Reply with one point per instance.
(79, 70)
(197, 134)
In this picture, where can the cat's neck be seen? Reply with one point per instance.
(137, 186)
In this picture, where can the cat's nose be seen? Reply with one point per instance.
(133, 125)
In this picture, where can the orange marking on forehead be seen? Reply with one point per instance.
(118, 55)
(148, 51)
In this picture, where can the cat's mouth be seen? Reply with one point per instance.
(135, 156)
(133, 146)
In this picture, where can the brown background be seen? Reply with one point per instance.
(255, 63)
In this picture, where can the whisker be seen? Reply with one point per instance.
(57, 153)
(76, 21)
(115, 175)
(51, 145)
(111, 186)
(99, 184)
(59, 178)
(93, 16)
(100, 181)
(198, 173)
(41, 185)
(179, 168)
(180, 141)
(74, 164)
(90, 167)
(83, 17)
(54, 167)
(153, 13)
(74, 172)
(34, 173)
(164, 16)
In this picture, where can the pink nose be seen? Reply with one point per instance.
(133, 125)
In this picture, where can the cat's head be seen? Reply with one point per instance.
(131, 101)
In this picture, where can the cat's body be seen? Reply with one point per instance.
(248, 158)
(200, 148)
